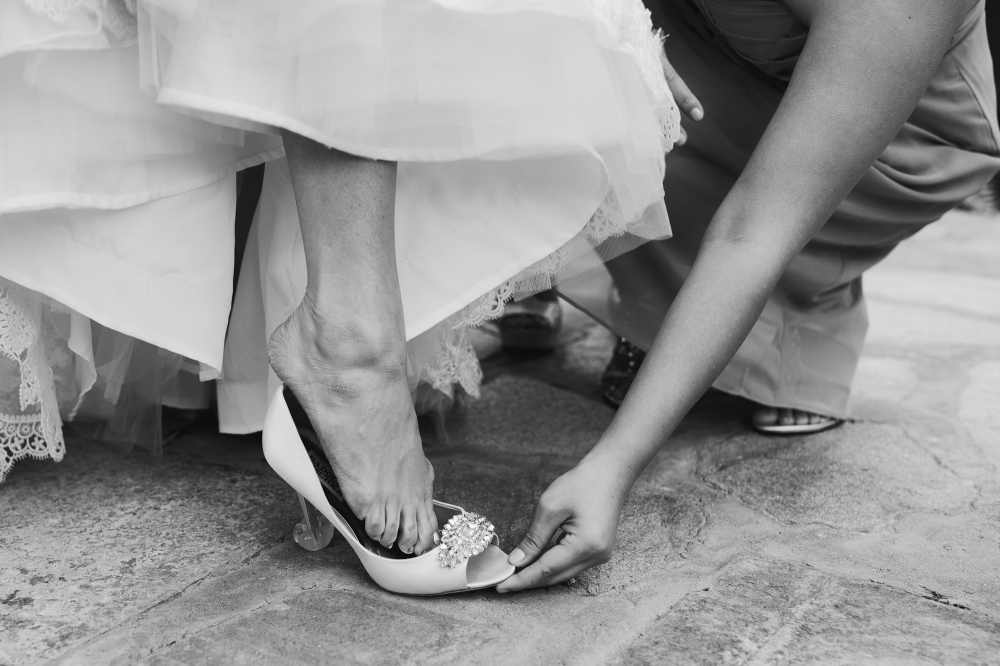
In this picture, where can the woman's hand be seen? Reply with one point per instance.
(685, 99)
(586, 503)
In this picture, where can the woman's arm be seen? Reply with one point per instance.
(865, 65)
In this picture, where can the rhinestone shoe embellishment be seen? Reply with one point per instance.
(463, 536)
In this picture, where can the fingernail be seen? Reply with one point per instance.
(697, 114)
(501, 591)
(516, 556)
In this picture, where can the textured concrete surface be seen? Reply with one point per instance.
(875, 542)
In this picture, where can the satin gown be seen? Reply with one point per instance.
(737, 57)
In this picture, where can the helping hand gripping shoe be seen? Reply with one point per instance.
(466, 558)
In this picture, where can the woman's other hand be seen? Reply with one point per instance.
(685, 99)
(585, 503)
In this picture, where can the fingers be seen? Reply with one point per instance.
(682, 138)
(543, 526)
(685, 99)
(566, 559)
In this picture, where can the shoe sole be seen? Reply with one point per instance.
(804, 429)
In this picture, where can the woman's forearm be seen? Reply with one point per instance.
(865, 65)
(711, 316)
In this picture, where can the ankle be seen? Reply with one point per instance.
(337, 340)
(353, 348)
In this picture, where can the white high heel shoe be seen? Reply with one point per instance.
(466, 558)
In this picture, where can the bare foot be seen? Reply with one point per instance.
(353, 386)
(769, 416)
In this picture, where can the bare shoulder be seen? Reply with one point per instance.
(946, 14)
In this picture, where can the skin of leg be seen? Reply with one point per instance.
(343, 351)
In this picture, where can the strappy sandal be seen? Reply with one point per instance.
(620, 372)
(466, 558)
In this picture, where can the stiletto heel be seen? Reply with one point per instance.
(467, 555)
(314, 532)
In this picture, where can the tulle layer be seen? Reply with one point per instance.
(57, 365)
(77, 131)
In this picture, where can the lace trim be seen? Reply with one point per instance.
(17, 336)
(24, 437)
(607, 222)
(456, 365)
(38, 435)
(117, 17)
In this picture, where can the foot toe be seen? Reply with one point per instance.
(786, 417)
(407, 530)
(765, 416)
(426, 527)
(391, 530)
(375, 524)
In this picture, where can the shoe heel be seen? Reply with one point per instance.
(314, 532)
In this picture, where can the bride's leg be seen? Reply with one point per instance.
(343, 351)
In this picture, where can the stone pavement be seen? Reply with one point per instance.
(875, 542)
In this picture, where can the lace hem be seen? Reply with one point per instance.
(25, 437)
(39, 434)
(457, 365)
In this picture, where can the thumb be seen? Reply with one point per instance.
(543, 526)
(685, 99)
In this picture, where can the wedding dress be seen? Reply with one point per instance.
(530, 137)
(115, 218)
